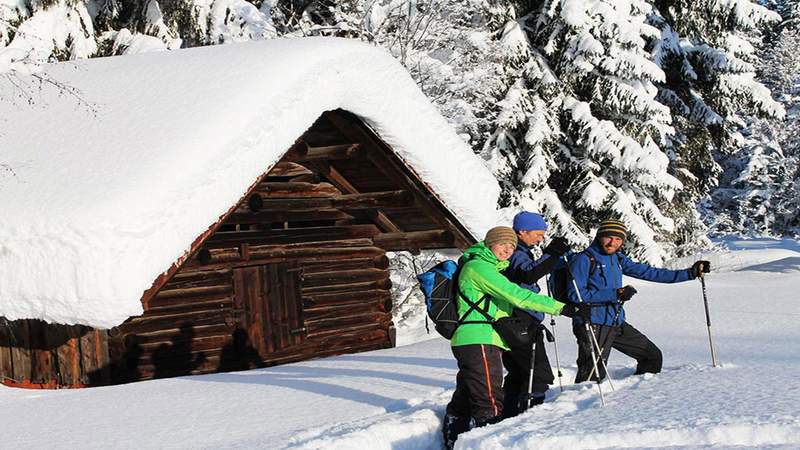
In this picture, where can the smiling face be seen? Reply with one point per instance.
(503, 250)
(531, 237)
(610, 244)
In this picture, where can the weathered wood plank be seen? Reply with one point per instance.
(292, 189)
(370, 200)
(290, 236)
(343, 277)
(288, 169)
(21, 351)
(315, 326)
(382, 284)
(345, 297)
(302, 215)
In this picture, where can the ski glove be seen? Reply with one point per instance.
(557, 247)
(625, 293)
(699, 268)
(573, 310)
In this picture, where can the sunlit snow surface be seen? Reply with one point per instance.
(395, 398)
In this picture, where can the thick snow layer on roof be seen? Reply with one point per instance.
(99, 197)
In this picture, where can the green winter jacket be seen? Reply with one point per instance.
(480, 275)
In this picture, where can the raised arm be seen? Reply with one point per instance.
(647, 272)
(498, 286)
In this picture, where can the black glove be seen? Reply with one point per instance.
(581, 310)
(625, 293)
(557, 247)
(699, 268)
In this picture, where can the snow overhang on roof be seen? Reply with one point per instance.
(103, 190)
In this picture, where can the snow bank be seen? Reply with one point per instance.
(104, 187)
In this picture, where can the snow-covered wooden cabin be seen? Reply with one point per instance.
(217, 208)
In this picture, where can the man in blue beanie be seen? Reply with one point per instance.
(526, 271)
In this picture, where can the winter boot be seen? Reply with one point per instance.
(452, 426)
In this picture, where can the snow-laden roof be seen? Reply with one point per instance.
(97, 200)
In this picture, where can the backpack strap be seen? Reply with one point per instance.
(473, 306)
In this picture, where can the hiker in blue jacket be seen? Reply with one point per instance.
(524, 270)
(598, 274)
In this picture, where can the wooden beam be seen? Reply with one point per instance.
(383, 156)
(288, 169)
(338, 180)
(369, 200)
(302, 152)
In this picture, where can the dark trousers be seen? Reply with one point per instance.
(625, 339)
(479, 382)
(517, 362)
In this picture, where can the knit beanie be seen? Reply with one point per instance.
(610, 227)
(529, 221)
(498, 235)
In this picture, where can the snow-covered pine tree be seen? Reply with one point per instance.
(756, 194)
(582, 130)
(706, 50)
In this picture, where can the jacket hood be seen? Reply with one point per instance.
(482, 252)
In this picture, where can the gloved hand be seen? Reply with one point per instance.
(557, 247)
(581, 310)
(699, 268)
(625, 293)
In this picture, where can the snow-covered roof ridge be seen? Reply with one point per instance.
(96, 202)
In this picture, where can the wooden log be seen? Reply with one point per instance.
(377, 262)
(292, 235)
(186, 279)
(193, 343)
(325, 335)
(303, 215)
(293, 189)
(288, 169)
(414, 239)
(169, 334)
(333, 298)
(144, 324)
(196, 292)
(303, 153)
(190, 305)
(314, 326)
(334, 311)
(344, 277)
(87, 349)
(382, 284)
(178, 301)
(259, 202)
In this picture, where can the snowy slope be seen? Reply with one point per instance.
(147, 151)
(395, 398)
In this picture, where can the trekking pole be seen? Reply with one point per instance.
(588, 332)
(708, 321)
(605, 342)
(555, 343)
(529, 396)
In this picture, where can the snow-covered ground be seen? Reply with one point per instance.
(394, 398)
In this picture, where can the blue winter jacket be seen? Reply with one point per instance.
(599, 286)
(522, 261)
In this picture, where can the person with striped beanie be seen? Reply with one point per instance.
(598, 272)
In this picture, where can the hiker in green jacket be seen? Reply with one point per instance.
(478, 348)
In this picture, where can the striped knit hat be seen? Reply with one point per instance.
(499, 235)
(610, 227)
